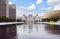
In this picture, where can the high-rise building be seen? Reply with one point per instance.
(12, 11)
(4, 10)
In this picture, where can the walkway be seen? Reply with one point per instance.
(57, 23)
(10, 23)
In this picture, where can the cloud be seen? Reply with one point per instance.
(24, 10)
(46, 8)
(22, 7)
(53, 1)
(19, 12)
(42, 14)
(57, 7)
(31, 7)
(10, 2)
(39, 1)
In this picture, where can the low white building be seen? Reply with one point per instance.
(30, 19)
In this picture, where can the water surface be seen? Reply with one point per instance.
(38, 31)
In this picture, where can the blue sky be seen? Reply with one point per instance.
(35, 6)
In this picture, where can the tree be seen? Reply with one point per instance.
(5, 19)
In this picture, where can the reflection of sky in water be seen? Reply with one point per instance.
(34, 32)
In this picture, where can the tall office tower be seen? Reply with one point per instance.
(4, 10)
(12, 11)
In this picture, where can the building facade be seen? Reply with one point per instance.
(30, 19)
(12, 11)
(4, 10)
(9, 31)
(52, 14)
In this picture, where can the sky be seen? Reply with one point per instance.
(35, 6)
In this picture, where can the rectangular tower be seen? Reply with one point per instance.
(12, 11)
(4, 10)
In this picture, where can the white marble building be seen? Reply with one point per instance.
(30, 19)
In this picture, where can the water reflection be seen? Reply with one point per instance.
(8, 32)
(30, 28)
(36, 28)
(24, 27)
(38, 31)
(54, 29)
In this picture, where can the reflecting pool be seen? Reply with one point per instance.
(38, 31)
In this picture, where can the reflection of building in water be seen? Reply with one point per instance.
(53, 30)
(30, 19)
(24, 27)
(30, 28)
(36, 28)
(8, 32)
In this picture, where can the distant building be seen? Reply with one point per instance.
(12, 11)
(30, 19)
(24, 17)
(4, 10)
(52, 14)
(37, 18)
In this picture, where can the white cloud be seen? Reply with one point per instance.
(19, 12)
(46, 8)
(32, 7)
(53, 1)
(39, 1)
(22, 7)
(57, 7)
(10, 2)
(42, 14)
